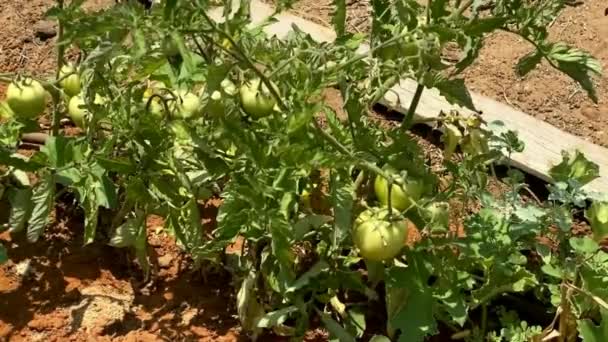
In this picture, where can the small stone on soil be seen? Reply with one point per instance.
(45, 29)
(165, 260)
(24, 268)
(101, 306)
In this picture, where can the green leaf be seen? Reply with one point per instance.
(121, 166)
(319, 268)
(576, 167)
(414, 313)
(277, 317)
(480, 26)
(339, 17)
(3, 255)
(597, 215)
(356, 321)
(300, 119)
(21, 208)
(379, 338)
(126, 234)
(19, 163)
(308, 223)
(91, 212)
(594, 333)
(529, 62)
(584, 245)
(455, 305)
(249, 310)
(169, 8)
(335, 329)
(577, 64)
(342, 200)
(43, 200)
(58, 151)
(455, 92)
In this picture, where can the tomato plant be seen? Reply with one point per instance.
(173, 101)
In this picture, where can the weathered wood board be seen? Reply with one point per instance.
(544, 142)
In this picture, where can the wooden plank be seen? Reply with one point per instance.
(544, 142)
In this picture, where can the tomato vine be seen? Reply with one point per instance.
(175, 107)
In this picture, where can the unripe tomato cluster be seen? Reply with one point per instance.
(377, 235)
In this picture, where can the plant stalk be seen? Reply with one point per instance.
(409, 116)
(60, 54)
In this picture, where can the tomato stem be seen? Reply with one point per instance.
(60, 56)
(409, 116)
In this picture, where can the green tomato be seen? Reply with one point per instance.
(77, 111)
(228, 87)
(188, 105)
(26, 98)
(377, 238)
(256, 98)
(156, 107)
(401, 199)
(70, 84)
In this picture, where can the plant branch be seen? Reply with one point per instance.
(60, 55)
(461, 9)
(409, 116)
(250, 63)
(365, 165)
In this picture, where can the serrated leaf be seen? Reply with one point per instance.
(577, 64)
(480, 26)
(58, 151)
(308, 223)
(43, 196)
(318, 268)
(105, 193)
(356, 321)
(342, 188)
(414, 314)
(584, 245)
(277, 317)
(335, 329)
(121, 166)
(21, 208)
(300, 119)
(6, 158)
(529, 62)
(594, 333)
(455, 305)
(126, 234)
(455, 92)
(576, 167)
